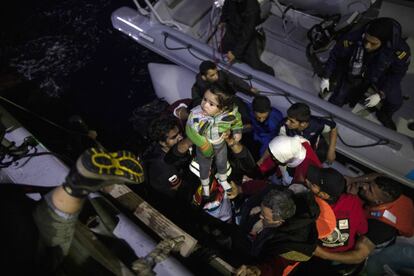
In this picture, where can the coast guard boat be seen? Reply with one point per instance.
(186, 32)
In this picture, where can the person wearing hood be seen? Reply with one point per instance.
(373, 58)
(277, 231)
(289, 153)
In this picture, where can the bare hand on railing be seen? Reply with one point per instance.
(230, 57)
(143, 266)
(254, 90)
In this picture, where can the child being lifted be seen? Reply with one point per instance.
(208, 125)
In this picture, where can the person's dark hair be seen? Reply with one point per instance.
(261, 104)
(300, 112)
(159, 128)
(385, 29)
(225, 100)
(205, 66)
(281, 203)
(389, 186)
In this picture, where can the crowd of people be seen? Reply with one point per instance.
(257, 173)
(261, 175)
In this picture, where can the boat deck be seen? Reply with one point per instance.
(301, 76)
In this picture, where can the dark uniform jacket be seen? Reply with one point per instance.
(383, 68)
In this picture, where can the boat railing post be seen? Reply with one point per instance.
(157, 16)
(142, 10)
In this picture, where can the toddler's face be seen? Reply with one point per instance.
(210, 104)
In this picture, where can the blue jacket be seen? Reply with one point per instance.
(266, 131)
(383, 68)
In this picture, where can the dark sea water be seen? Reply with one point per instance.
(67, 59)
(63, 58)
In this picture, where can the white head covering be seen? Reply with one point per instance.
(288, 150)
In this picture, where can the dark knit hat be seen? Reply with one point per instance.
(261, 104)
(329, 180)
(381, 28)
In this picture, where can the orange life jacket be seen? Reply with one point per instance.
(399, 214)
(290, 268)
(326, 221)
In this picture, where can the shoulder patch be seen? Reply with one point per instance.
(401, 54)
(347, 43)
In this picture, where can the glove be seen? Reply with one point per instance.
(372, 100)
(324, 85)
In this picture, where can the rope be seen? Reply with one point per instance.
(276, 94)
(171, 48)
(41, 117)
(143, 266)
(380, 141)
(188, 48)
(30, 155)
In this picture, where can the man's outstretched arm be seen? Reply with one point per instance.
(361, 251)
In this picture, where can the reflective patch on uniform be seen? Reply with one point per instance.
(346, 43)
(402, 54)
(390, 216)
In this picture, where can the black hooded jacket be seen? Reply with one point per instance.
(294, 241)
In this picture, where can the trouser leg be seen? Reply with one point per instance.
(221, 157)
(397, 256)
(339, 94)
(204, 163)
(384, 114)
(252, 58)
(322, 149)
(56, 228)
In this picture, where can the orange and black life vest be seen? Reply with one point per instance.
(399, 214)
(326, 221)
